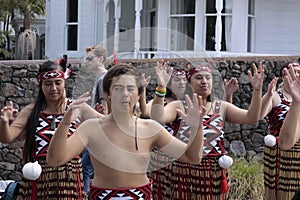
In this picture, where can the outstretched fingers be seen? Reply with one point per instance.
(258, 74)
(194, 112)
(292, 83)
(272, 86)
(145, 81)
(163, 77)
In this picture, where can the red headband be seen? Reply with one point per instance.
(178, 73)
(294, 64)
(51, 74)
(198, 69)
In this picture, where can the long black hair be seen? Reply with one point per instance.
(33, 120)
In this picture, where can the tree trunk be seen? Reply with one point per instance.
(27, 20)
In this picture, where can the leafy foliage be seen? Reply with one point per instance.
(246, 180)
(8, 10)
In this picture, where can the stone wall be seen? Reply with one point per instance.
(18, 83)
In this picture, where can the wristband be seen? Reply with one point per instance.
(160, 95)
(161, 89)
(160, 92)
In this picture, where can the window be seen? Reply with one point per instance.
(182, 24)
(211, 20)
(151, 4)
(72, 25)
(251, 24)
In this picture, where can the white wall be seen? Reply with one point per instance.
(56, 40)
(87, 25)
(55, 13)
(277, 26)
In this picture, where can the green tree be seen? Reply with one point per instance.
(6, 16)
(29, 9)
(27, 39)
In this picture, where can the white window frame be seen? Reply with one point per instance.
(213, 15)
(67, 24)
(181, 16)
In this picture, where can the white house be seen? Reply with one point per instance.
(184, 27)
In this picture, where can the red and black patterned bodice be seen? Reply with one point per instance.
(213, 132)
(172, 127)
(277, 115)
(45, 132)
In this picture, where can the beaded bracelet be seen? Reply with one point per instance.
(161, 89)
(160, 92)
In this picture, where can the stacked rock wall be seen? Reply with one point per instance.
(18, 83)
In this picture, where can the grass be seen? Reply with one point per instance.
(246, 180)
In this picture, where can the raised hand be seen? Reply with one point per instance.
(272, 86)
(145, 81)
(257, 78)
(8, 113)
(292, 83)
(195, 111)
(163, 77)
(73, 110)
(230, 86)
(100, 108)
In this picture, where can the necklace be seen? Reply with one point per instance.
(53, 123)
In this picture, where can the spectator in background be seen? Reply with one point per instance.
(94, 63)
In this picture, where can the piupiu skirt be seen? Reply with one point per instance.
(57, 183)
(181, 181)
(281, 172)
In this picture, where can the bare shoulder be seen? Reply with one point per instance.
(150, 126)
(173, 105)
(26, 111)
(29, 106)
(275, 99)
(91, 129)
(176, 103)
(92, 122)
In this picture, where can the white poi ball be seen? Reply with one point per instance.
(270, 140)
(225, 161)
(32, 171)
